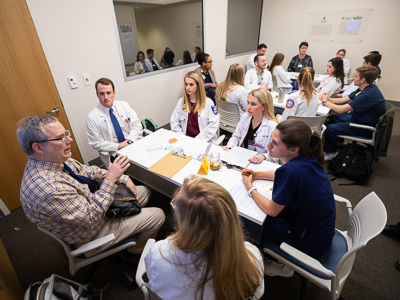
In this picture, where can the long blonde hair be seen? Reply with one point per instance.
(209, 224)
(307, 89)
(200, 93)
(265, 98)
(234, 77)
(276, 61)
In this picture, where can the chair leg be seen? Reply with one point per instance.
(132, 283)
(93, 270)
(303, 287)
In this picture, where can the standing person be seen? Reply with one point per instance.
(141, 66)
(193, 263)
(111, 125)
(258, 77)
(303, 103)
(261, 50)
(151, 60)
(195, 115)
(300, 60)
(207, 73)
(282, 78)
(255, 127)
(232, 89)
(302, 210)
(332, 84)
(346, 65)
(197, 50)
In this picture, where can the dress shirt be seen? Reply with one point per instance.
(122, 124)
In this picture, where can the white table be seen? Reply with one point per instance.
(227, 178)
(317, 78)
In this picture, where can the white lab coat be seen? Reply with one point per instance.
(251, 80)
(100, 131)
(238, 96)
(138, 64)
(346, 69)
(208, 121)
(295, 106)
(147, 61)
(263, 134)
(329, 85)
(250, 62)
(282, 78)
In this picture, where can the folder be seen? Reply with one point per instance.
(169, 165)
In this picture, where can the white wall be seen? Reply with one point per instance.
(80, 37)
(284, 26)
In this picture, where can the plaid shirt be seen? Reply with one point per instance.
(296, 61)
(57, 202)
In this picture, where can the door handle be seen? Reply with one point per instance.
(56, 109)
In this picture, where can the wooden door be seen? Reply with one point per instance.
(26, 88)
(10, 288)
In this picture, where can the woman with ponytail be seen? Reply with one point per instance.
(303, 103)
(302, 211)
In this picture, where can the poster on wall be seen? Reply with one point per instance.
(125, 32)
(352, 25)
(197, 33)
(321, 26)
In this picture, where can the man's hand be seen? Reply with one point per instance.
(117, 168)
(130, 185)
(123, 144)
(257, 159)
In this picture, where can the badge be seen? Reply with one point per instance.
(214, 109)
(204, 76)
(126, 120)
(289, 103)
(251, 146)
(184, 106)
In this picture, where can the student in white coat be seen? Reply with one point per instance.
(261, 49)
(332, 84)
(259, 77)
(255, 128)
(195, 115)
(304, 102)
(346, 65)
(141, 66)
(282, 78)
(232, 89)
(101, 132)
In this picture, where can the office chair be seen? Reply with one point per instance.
(331, 270)
(77, 259)
(144, 286)
(315, 123)
(230, 114)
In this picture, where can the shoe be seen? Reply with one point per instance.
(392, 231)
(397, 265)
(330, 156)
(131, 260)
(272, 268)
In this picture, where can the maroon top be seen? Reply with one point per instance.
(192, 129)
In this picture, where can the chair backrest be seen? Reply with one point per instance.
(230, 114)
(275, 82)
(315, 123)
(336, 92)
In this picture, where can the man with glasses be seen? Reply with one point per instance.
(58, 193)
(111, 125)
(259, 77)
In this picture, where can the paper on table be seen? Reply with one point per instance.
(153, 151)
(238, 156)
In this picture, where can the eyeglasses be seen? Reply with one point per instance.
(171, 203)
(62, 138)
(209, 62)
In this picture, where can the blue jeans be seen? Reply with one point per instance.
(340, 125)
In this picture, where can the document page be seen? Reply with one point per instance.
(238, 156)
(153, 151)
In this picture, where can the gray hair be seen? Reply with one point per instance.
(30, 131)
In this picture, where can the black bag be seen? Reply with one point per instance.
(125, 203)
(149, 124)
(354, 161)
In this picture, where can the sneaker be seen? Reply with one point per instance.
(272, 268)
(330, 156)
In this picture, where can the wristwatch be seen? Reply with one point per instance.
(250, 190)
(323, 102)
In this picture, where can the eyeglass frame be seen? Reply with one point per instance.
(66, 135)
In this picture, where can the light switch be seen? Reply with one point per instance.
(73, 82)
(86, 79)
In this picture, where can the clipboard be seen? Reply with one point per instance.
(169, 165)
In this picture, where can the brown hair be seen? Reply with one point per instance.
(209, 224)
(234, 77)
(265, 98)
(276, 61)
(200, 93)
(104, 81)
(337, 63)
(296, 133)
(341, 50)
(370, 73)
(306, 78)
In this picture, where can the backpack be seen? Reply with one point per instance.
(354, 162)
(148, 124)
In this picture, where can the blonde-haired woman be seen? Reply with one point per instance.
(304, 102)
(255, 128)
(232, 89)
(207, 257)
(195, 115)
(282, 78)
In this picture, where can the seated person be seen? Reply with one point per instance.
(111, 125)
(303, 103)
(232, 89)
(141, 66)
(195, 115)
(346, 65)
(282, 78)
(207, 257)
(367, 104)
(169, 59)
(300, 60)
(196, 51)
(152, 61)
(58, 193)
(258, 77)
(302, 210)
(255, 127)
(162, 61)
(332, 84)
(261, 49)
(207, 74)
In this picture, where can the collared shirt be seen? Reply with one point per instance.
(57, 202)
(121, 122)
